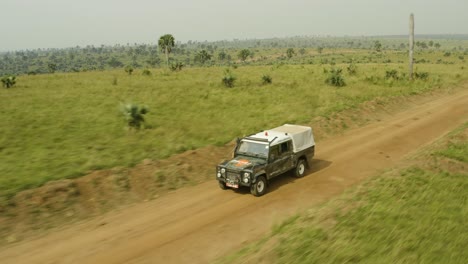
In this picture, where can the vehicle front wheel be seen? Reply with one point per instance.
(222, 185)
(259, 187)
(300, 168)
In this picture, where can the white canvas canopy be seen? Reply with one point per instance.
(302, 136)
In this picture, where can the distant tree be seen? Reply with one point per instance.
(302, 51)
(320, 50)
(202, 56)
(52, 67)
(290, 53)
(437, 45)
(243, 54)
(431, 43)
(222, 55)
(166, 43)
(115, 63)
(377, 46)
(177, 66)
(153, 60)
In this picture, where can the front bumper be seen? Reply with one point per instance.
(233, 178)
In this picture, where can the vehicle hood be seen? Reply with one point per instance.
(243, 162)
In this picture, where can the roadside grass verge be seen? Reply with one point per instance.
(65, 125)
(415, 214)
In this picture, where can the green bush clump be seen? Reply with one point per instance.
(392, 74)
(352, 69)
(228, 79)
(134, 115)
(129, 69)
(335, 78)
(8, 81)
(177, 66)
(266, 79)
(421, 75)
(146, 72)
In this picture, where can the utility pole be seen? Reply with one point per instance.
(411, 45)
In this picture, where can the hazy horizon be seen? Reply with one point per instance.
(34, 24)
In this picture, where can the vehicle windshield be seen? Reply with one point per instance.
(253, 149)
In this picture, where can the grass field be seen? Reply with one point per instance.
(415, 214)
(65, 125)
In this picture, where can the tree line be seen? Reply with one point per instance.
(91, 58)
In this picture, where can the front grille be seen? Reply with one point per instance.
(234, 176)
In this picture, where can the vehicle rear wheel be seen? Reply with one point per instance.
(222, 185)
(300, 168)
(259, 187)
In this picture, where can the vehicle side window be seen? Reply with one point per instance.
(274, 153)
(284, 147)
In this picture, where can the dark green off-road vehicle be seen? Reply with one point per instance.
(265, 155)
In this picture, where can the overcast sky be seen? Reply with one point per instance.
(26, 24)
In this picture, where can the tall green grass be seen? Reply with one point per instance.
(415, 215)
(65, 125)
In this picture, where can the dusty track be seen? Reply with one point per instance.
(200, 223)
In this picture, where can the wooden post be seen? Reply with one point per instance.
(411, 46)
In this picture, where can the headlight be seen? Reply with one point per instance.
(223, 170)
(219, 175)
(246, 177)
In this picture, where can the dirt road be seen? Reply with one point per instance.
(198, 224)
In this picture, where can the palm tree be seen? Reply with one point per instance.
(166, 42)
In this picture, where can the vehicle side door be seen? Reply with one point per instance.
(274, 163)
(286, 156)
(280, 158)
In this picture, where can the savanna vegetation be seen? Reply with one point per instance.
(414, 214)
(169, 51)
(66, 124)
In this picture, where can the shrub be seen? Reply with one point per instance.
(129, 69)
(421, 75)
(177, 66)
(336, 78)
(392, 74)
(8, 81)
(266, 79)
(447, 54)
(146, 72)
(134, 115)
(352, 69)
(228, 79)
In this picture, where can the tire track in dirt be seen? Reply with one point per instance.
(200, 223)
